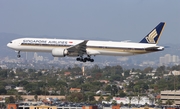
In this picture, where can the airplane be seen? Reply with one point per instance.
(85, 49)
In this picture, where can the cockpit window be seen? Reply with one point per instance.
(10, 42)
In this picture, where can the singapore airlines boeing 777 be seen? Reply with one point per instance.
(85, 49)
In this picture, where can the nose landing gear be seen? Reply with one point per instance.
(18, 54)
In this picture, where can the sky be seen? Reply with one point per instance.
(114, 20)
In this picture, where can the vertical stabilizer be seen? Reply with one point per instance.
(154, 35)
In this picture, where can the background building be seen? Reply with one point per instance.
(168, 59)
(171, 95)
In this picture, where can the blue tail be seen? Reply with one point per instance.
(154, 35)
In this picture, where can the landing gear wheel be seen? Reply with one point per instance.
(84, 60)
(92, 60)
(18, 55)
(77, 59)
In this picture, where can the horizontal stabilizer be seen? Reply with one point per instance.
(158, 48)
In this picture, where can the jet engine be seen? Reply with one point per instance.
(59, 52)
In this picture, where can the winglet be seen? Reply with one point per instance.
(154, 35)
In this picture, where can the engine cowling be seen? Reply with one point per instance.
(59, 52)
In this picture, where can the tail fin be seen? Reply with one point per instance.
(154, 35)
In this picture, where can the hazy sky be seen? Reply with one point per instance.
(89, 19)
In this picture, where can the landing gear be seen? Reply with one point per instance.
(81, 59)
(89, 59)
(18, 54)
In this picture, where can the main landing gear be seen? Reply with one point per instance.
(18, 54)
(81, 59)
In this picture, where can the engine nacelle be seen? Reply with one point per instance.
(59, 52)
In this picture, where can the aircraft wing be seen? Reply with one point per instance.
(79, 49)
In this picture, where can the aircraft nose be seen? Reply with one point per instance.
(9, 45)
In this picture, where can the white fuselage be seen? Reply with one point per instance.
(92, 47)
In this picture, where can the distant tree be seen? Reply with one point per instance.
(159, 102)
(76, 69)
(116, 78)
(77, 83)
(39, 74)
(130, 86)
(175, 67)
(148, 70)
(136, 88)
(114, 90)
(3, 73)
(31, 70)
(75, 97)
(43, 91)
(109, 98)
(139, 98)
(2, 90)
(18, 97)
(95, 69)
(10, 99)
(118, 69)
(145, 86)
(32, 87)
(100, 99)
(130, 98)
(108, 88)
(36, 97)
(151, 99)
(11, 74)
(161, 69)
(121, 104)
(126, 73)
(23, 83)
(11, 92)
(97, 76)
(62, 91)
(122, 94)
(169, 102)
(87, 87)
(90, 96)
(114, 102)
